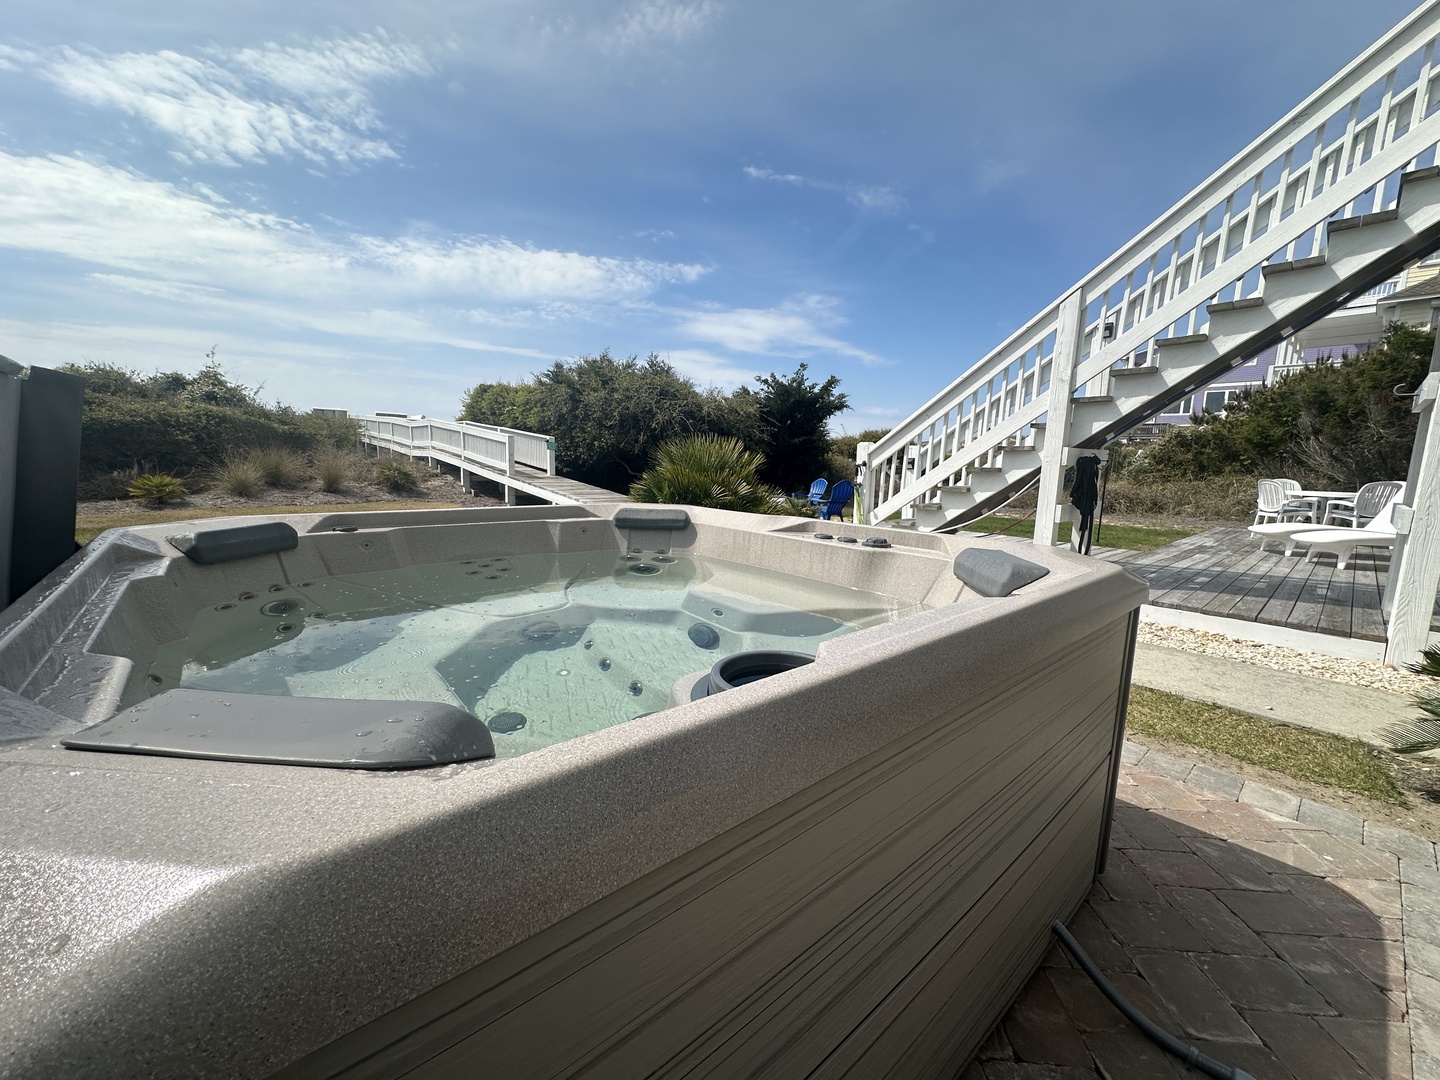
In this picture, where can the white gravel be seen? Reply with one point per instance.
(1278, 657)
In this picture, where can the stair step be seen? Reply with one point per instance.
(1092, 399)
(1429, 173)
(930, 517)
(985, 469)
(1183, 339)
(1141, 369)
(1363, 219)
(1235, 305)
(1293, 264)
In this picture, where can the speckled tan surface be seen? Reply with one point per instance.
(285, 906)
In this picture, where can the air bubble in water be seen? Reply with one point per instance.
(636, 688)
(605, 664)
(361, 734)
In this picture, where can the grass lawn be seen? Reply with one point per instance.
(89, 526)
(1305, 755)
(1131, 537)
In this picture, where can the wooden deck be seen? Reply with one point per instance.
(1223, 572)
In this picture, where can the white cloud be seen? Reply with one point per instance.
(796, 328)
(149, 231)
(879, 199)
(663, 22)
(709, 369)
(226, 106)
(783, 178)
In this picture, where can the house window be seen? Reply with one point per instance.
(1216, 400)
(1179, 408)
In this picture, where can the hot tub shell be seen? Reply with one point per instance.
(848, 868)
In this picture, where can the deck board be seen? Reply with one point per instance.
(1224, 572)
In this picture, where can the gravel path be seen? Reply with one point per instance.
(1354, 672)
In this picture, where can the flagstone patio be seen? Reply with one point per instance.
(1279, 935)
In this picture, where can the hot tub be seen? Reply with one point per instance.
(847, 865)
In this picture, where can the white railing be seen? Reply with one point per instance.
(1340, 153)
(461, 442)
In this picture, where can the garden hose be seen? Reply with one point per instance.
(1190, 1055)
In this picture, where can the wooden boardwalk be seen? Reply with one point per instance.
(1223, 572)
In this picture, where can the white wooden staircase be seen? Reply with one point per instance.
(1338, 196)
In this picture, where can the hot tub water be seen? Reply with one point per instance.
(544, 647)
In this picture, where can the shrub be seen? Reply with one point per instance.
(156, 489)
(239, 475)
(396, 475)
(334, 466)
(181, 422)
(1334, 425)
(278, 466)
(708, 470)
(1218, 498)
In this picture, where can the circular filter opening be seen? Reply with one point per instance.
(505, 723)
(279, 607)
(644, 569)
(748, 667)
(704, 635)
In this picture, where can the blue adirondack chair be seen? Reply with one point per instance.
(816, 492)
(839, 496)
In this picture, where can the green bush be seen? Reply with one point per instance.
(708, 470)
(239, 475)
(396, 475)
(279, 466)
(1331, 426)
(334, 466)
(156, 489)
(182, 422)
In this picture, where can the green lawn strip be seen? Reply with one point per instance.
(89, 526)
(1130, 537)
(1306, 755)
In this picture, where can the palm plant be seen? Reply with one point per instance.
(707, 470)
(1422, 733)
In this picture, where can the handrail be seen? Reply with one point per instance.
(1339, 152)
(484, 446)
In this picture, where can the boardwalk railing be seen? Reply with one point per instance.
(481, 447)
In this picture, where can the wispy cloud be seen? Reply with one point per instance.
(658, 22)
(227, 106)
(880, 199)
(797, 328)
(156, 232)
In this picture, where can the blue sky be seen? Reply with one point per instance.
(374, 205)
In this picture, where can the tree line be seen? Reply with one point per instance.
(610, 416)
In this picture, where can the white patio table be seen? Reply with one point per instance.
(1324, 498)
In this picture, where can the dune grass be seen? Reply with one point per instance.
(89, 526)
(1297, 752)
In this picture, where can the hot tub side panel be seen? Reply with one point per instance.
(876, 923)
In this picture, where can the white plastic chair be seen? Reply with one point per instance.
(1272, 505)
(1309, 506)
(1368, 502)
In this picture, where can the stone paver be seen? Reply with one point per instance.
(1276, 934)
